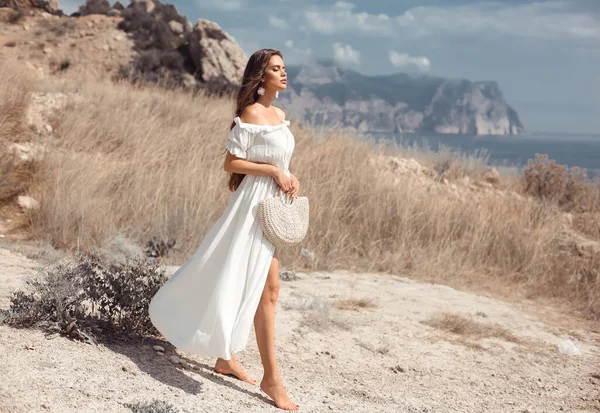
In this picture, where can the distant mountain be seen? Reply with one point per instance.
(323, 93)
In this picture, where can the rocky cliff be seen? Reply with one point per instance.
(323, 93)
(145, 41)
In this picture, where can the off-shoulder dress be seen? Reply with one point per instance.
(207, 306)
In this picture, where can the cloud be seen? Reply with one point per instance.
(290, 45)
(340, 18)
(402, 60)
(547, 19)
(344, 53)
(277, 22)
(227, 5)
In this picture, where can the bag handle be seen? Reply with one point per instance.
(287, 197)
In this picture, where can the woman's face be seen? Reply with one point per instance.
(275, 76)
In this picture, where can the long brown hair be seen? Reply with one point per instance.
(247, 95)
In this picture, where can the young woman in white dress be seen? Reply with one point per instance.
(208, 305)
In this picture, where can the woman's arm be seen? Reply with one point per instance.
(241, 166)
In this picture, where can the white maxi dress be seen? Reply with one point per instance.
(207, 306)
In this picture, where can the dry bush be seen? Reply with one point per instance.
(95, 7)
(161, 57)
(155, 406)
(468, 327)
(571, 190)
(86, 297)
(13, 16)
(354, 303)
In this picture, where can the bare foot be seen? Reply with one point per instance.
(232, 367)
(274, 389)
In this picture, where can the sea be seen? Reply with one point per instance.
(511, 152)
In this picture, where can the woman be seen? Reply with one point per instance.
(207, 307)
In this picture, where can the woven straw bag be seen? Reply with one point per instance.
(284, 219)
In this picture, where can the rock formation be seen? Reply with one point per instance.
(50, 6)
(215, 53)
(322, 93)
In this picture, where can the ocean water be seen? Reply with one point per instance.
(513, 151)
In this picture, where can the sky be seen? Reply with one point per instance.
(544, 54)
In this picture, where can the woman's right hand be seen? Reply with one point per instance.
(282, 180)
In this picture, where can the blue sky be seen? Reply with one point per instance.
(544, 54)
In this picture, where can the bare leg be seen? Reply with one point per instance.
(232, 367)
(264, 325)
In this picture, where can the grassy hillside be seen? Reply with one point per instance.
(144, 162)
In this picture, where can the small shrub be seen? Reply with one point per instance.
(64, 65)
(155, 406)
(85, 297)
(544, 179)
(159, 248)
(466, 326)
(164, 57)
(14, 16)
(95, 7)
(354, 304)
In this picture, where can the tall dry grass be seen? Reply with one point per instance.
(142, 162)
(16, 85)
(149, 162)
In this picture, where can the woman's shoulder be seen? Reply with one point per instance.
(250, 114)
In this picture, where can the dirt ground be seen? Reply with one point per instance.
(345, 342)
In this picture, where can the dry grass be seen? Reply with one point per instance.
(468, 327)
(147, 162)
(144, 162)
(354, 303)
(16, 84)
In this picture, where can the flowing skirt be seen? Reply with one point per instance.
(207, 306)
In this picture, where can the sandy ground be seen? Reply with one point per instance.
(381, 358)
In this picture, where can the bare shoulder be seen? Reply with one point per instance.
(251, 114)
(280, 112)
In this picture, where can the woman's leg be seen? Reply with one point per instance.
(264, 326)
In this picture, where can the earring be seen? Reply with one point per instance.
(277, 94)
(261, 91)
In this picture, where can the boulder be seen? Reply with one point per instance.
(148, 3)
(52, 6)
(49, 6)
(176, 27)
(216, 54)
